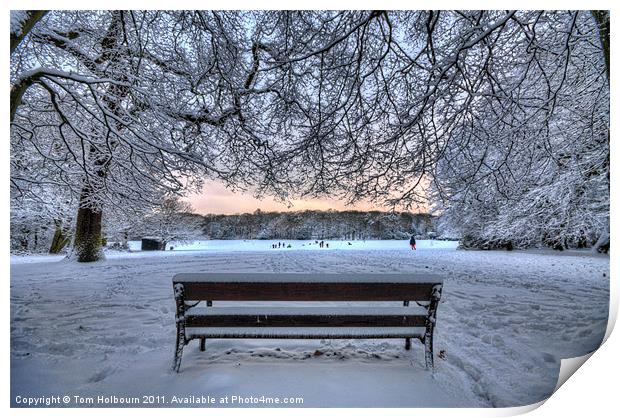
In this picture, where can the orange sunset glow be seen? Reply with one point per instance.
(216, 198)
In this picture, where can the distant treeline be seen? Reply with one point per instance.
(314, 224)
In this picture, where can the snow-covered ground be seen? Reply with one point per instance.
(107, 328)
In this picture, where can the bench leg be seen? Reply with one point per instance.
(202, 344)
(428, 351)
(407, 340)
(178, 352)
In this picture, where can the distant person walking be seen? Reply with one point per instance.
(412, 242)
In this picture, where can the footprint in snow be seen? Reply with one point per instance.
(101, 374)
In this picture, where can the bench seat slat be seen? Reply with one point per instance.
(306, 332)
(306, 317)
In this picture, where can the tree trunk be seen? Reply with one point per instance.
(87, 243)
(60, 239)
(602, 20)
(602, 244)
(125, 240)
(88, 234)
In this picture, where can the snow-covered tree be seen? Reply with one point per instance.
(172, 220)
(42, 223)
(118, 107)
(530, 165)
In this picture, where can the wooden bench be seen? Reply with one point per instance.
(321, 322)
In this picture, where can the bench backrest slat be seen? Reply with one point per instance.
(301, 291)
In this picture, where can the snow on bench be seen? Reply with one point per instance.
(308, 277)
(260, 311)
(196, 322)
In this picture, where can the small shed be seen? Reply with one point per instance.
(152, 244)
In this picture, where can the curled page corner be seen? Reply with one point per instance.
(518, 410)
(569, 366)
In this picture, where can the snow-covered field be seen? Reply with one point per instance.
(295, 245)
(107, 328)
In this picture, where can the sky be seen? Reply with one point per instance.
(215, 198)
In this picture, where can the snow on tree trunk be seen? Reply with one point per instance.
(87, 244)
(603, 243)
(60, 239)
(22, 23)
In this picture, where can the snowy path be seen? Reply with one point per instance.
(505, 321)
